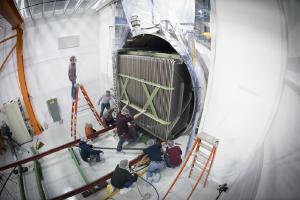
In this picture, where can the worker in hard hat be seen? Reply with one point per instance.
(87, 151)
(122, 126)
(122, 177)
(72, 75)
(172, 154)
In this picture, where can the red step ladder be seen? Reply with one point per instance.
(203, 152)
(75, 108)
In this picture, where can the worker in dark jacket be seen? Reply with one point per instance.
(121, 177)
(72, 76)
(154, 153)
(122, 126)
(87, 152)
(172, 154)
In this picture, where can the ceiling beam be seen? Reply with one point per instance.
(66, 6)
(8, 38)
(29, 8)
(10, 12)
(77, 6)
(54, 4)
(91, 4)
(104, 4)
(43, 8)
(7, 56)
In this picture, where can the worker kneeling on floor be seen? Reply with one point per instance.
(122, 178)
(87, 151)
(154, 153)
(172, 154)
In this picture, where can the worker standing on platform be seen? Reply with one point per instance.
(172, 154)
(122, 126)
(72, 76)
(105, 102)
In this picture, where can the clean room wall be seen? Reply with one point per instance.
(106, 35)
(46, 66)
(273, 173)
(9, 84)
(244, 82)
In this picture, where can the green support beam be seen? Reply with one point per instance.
(77, 163)
(150, 98)
(163, 122)
(124, 85)
(146, 82)
(153, 115)
(21, 183)
(154, 54)
(38, 179)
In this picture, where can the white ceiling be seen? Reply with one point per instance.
(41, 8)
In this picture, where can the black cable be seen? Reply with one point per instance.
(221, 189)
(151, 185)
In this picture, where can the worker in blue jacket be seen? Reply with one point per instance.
(154, 153)
(87, 151)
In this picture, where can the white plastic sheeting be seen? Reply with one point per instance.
(151, 12)
(251, 106)
(273, 172)
(46, 66)
(9, 83)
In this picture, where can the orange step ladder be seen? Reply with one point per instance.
(75, 109)
(203, 152)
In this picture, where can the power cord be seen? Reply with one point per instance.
(147, 195)
(221, 189)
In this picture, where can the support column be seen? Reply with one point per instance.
(22, 81)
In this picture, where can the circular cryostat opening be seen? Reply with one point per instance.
(154, 77)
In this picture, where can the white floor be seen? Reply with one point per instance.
(61, 175)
